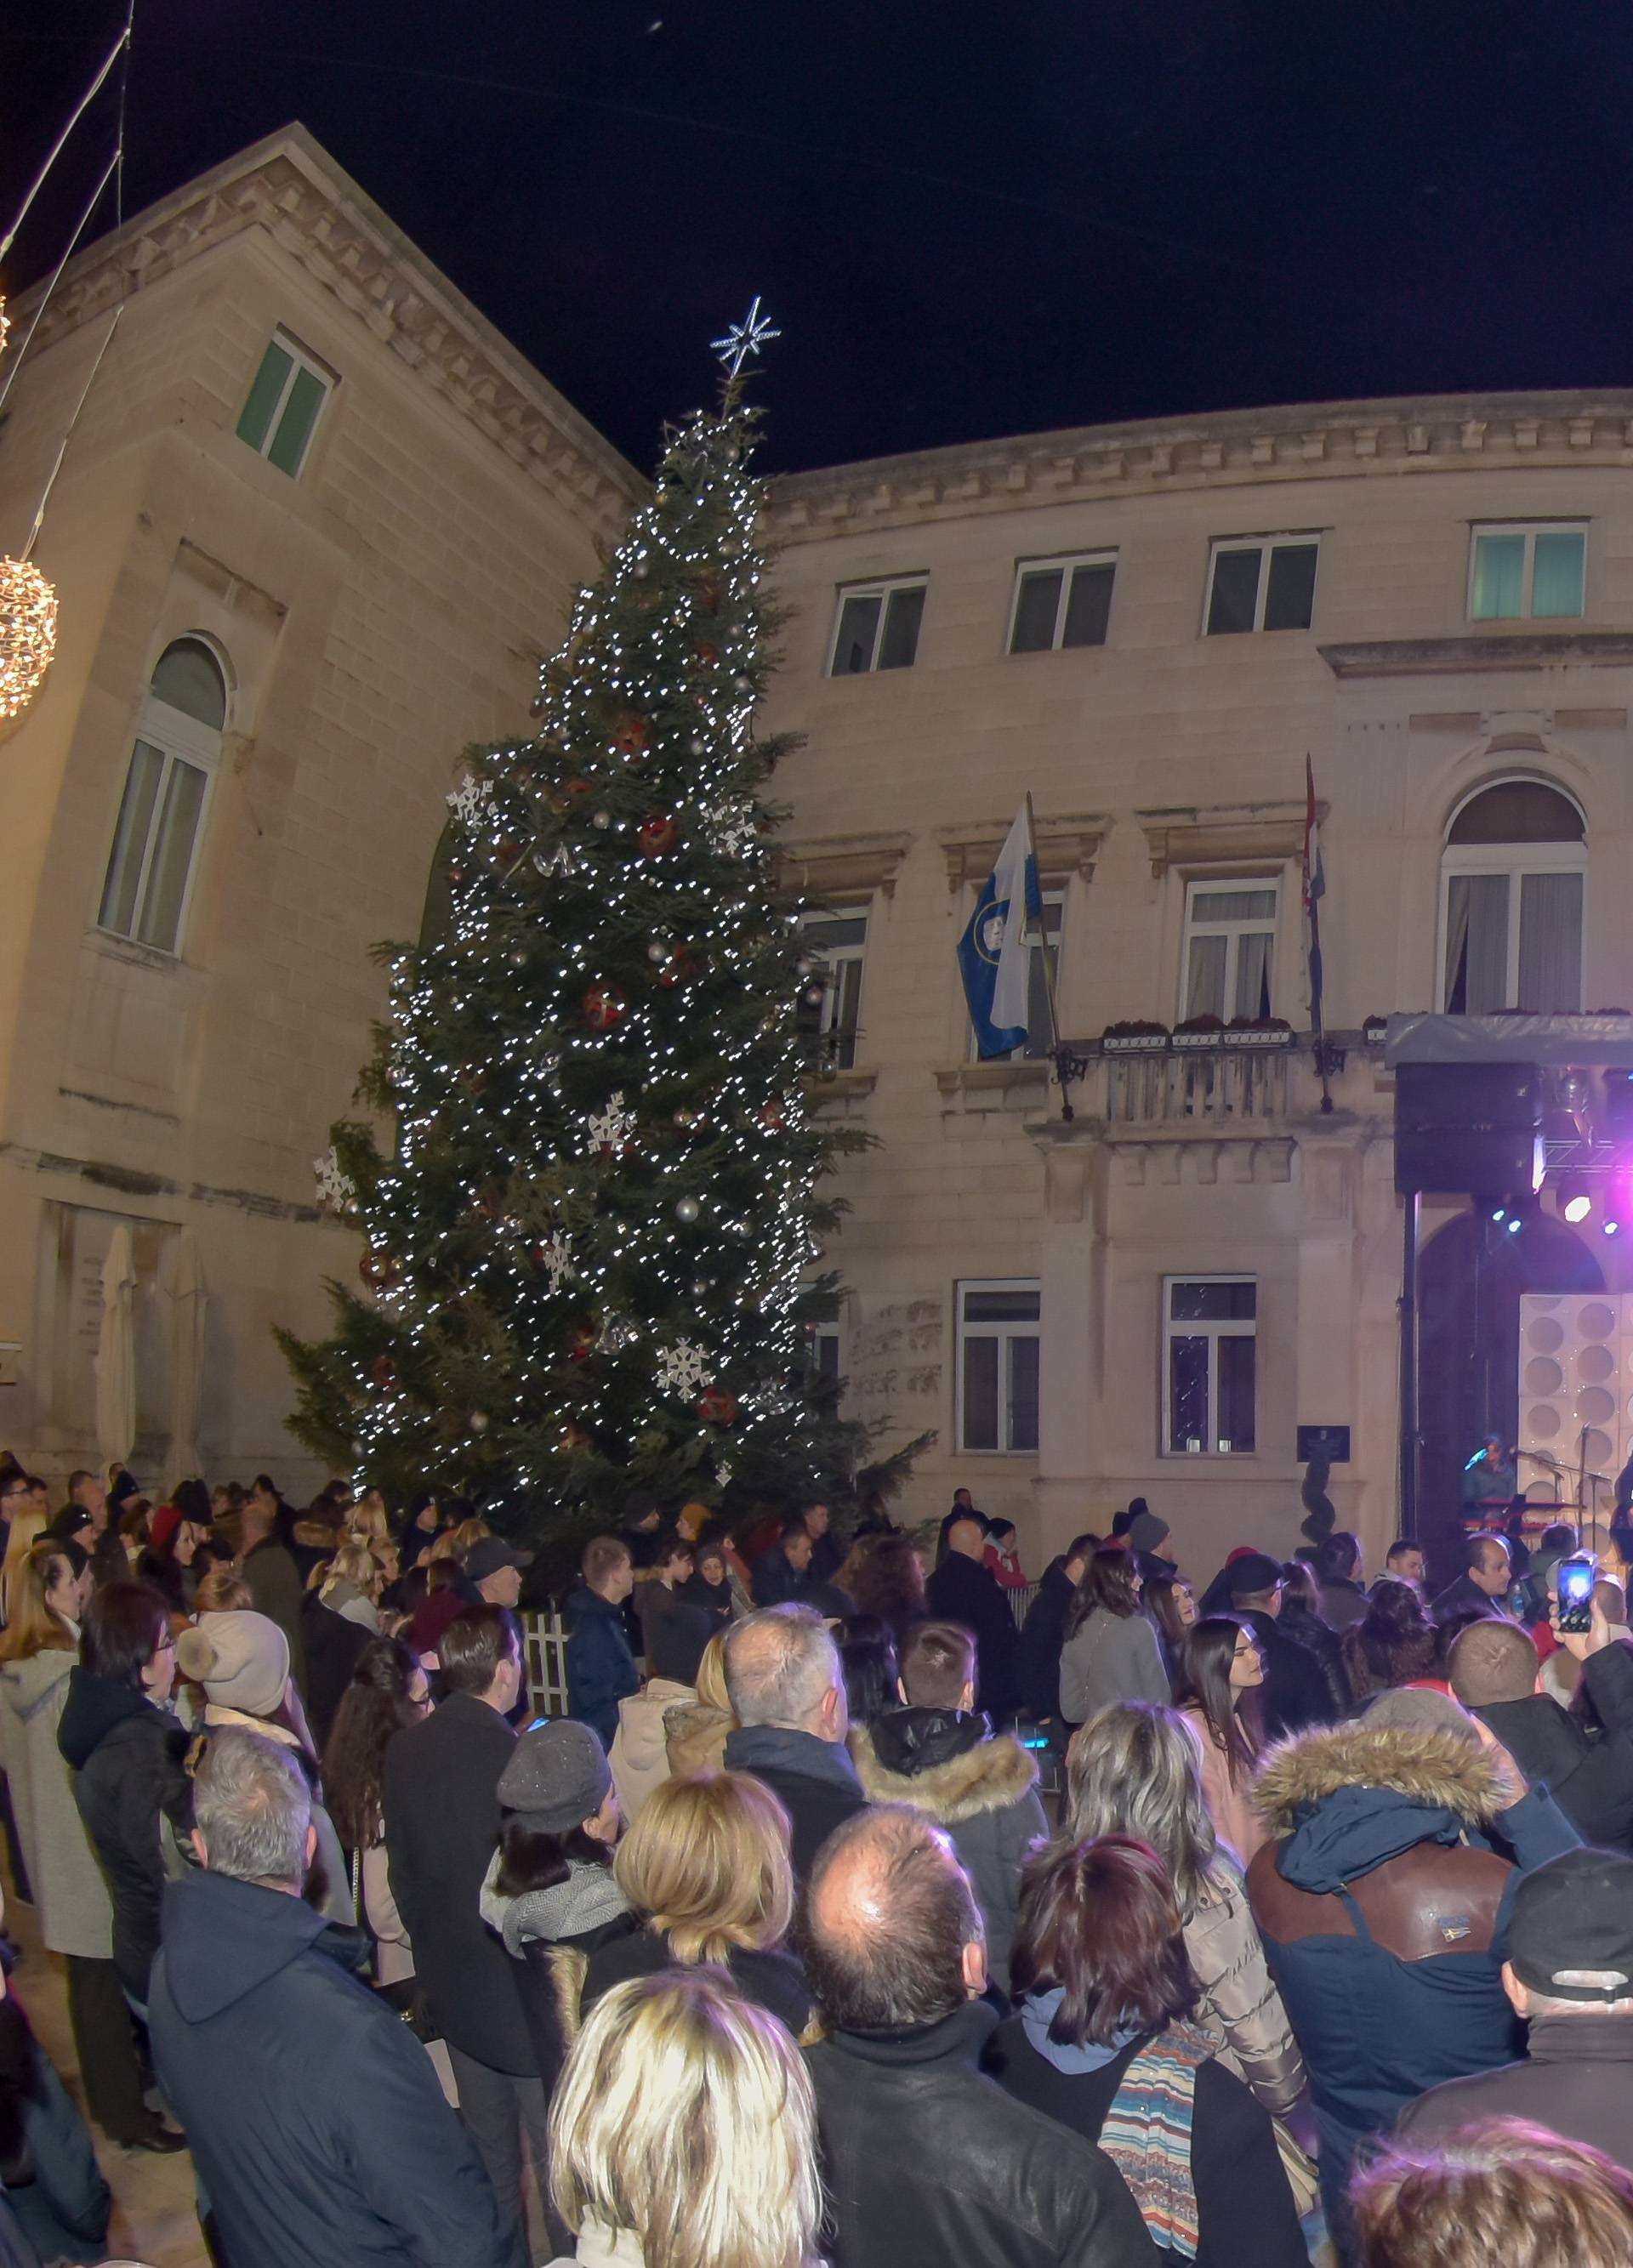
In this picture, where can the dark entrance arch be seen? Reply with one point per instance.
(1470, 1279)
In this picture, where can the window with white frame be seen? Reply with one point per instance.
(998, 1328)
(1534, 571)
(825, 1340)
(1513, 876)
(281, 412)
(1228, 948)
(161, 813)
(1210, 1349)
(1043, 966)
(1061, 602)
(837, 945)
(877, 626)
(1260, 583)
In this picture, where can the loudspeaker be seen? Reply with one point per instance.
(1468, 1128)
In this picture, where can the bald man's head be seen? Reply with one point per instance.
(967, 1536)
(1491, 1662)
(893, 1937)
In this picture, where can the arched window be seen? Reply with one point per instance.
(1511, 910)
(161, 814)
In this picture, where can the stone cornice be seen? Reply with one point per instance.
(1254, 448)
(288, 185)
(1067, 845)
(1215, 834)
(834, 866)
(1499, 650)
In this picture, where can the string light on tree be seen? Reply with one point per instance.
(602, 1183)
(27, 633)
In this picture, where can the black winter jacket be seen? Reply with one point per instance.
(814, 1780)
(930, 2165)
(440, 1801)
(1320, 1640)
(772, 1980)
(1043, 1634)
(313, 2114)
(332, 1643)
(128, 1762)
(1590, 1780)
(1246, 2213)
(1294, 1695)
(962, 1591)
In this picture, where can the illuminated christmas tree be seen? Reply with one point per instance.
(592, 1249)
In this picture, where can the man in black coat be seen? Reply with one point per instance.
(962, 1590)
(441, 1807)
(1486, 1578)
(782, 1576)
(313, 2114)
(1493, 1674)
(925, 2158)
(787, 1690)
(1294, 1692)
(1043, 1631)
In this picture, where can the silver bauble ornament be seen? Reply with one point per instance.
(479, 1421)
(603, 820)
(687, 1208)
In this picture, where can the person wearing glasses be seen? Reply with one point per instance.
(126, 1755)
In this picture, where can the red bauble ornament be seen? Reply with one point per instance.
(376, 1269)
(656, 836)
(630, 735)
(585, 1339)
(681, 967)
(385, 1372)
(603, 1007)
(574, 788)
(707, 654)
(716, 1407)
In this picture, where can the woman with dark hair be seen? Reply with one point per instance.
(418, 1531)
(126, 1753)
(709, 1586)
(1171, 1606)
(1393, 1644)
(867, 1657)
(1102, 2042)
(550, 1890)
(1301, 1618)
(1110, 1652)
(169, 1560)
(1216, 1692)
(388, 1692)
(887, 1582)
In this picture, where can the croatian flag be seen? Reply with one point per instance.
(1315, 890)
(992, 956)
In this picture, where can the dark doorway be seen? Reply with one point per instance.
(1470, 1279)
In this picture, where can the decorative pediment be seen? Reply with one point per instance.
(1214, 834)
(835, 867)
(1067, 845)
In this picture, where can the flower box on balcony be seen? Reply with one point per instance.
(1375, 1031)
(1199, 1032)
(1135, 1039)
(1273, 1032)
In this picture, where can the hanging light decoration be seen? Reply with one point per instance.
(27, 634)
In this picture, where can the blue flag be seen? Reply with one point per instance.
(993, 957)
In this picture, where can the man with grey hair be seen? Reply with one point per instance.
(925, 2158)
(315, 2120)
(787, 1690)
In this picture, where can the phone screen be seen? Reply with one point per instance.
(1575, 1594)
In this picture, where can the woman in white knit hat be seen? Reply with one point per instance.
(242, 1660)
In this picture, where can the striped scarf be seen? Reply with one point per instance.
(1147, 2134)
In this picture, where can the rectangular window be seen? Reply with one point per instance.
(281, 414)
(152, 861)
(838, 943)
(1514, 938)
(1534, 573)
(1228, 949)
(1209, 1327)
(877, 627)
(1043, 965)
(998, 1326)
(1264, 582)
(1061, 602)
(826, 1353)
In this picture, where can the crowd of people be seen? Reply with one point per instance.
(869, 1905)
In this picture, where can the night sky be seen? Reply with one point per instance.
(969, 219)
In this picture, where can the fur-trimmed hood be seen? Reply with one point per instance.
(1349, 1800)
(987, 1775)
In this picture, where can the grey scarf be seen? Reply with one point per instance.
(586, 1900)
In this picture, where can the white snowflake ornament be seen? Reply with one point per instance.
(335, 1191)
(556, 1259)
(683, 1370)
(612, 1129)
(468, 801)
(733, 828)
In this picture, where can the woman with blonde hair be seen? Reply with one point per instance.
(26, 1529)
(683, 2134)
(695, 1732)
(1502, 2189)
(37, 1652)
(1137, 1769)
(706, 1869)
(351, 1584)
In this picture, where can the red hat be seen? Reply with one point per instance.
(163, 1524)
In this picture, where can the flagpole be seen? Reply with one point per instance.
(1056, 1048)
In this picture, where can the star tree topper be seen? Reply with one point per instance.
(744, 339)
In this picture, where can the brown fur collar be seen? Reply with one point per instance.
(1437, 1768)
(989, 1776)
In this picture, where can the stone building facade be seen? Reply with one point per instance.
(317, 528)
(1148, 628)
